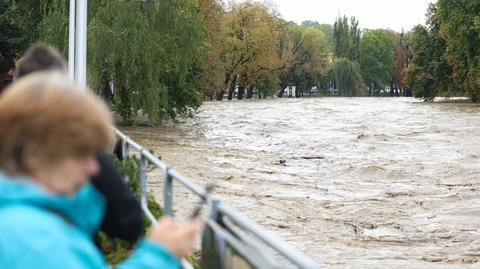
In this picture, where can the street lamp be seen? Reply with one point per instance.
(77, 47)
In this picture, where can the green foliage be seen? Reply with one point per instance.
(249, 48)
(304, 54)
(53, 28)
(19, 27)
(458, 24)
(347, 77)
(446, 55)
(346, 38)
(151, 51)
(115, 250)
(266, 88)
(10, 35)
(377, 58)
(211, 13)
(419, 75)
(429, 72)
(129, 168)
(327, 30)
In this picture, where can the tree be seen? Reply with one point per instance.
(347, 77)
(311, 60)
(304, 54)
(151, 51)
(10, 35)
(420, 74)
(429, 72)
(211, 14)
(20, 25)
(402, 58)
(377, 58)
(250, 32)
(327, 30)
(459, 23)
(346, 38)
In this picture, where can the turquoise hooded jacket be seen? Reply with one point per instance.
(39, 229)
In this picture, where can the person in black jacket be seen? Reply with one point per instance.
(123, 217)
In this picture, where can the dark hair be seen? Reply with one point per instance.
(40, 57)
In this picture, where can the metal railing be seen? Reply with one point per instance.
(216, 208)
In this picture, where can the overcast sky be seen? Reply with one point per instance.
(393, 14)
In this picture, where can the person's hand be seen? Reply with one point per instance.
(178, 239)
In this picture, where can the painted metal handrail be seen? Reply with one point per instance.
(216, 208)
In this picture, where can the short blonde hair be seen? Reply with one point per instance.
(47, 115)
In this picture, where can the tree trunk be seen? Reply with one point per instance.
(250, 92)
(220, 95)
(241, 86)
(231, 88)
(241, 90)
(282, 89)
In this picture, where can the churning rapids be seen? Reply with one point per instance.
(352, 182)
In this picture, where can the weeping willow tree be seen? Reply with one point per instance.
(53, 27)
(30, 21)
(347, 77)
(151, 52)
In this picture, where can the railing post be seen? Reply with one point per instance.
(143, 188)
(125, 148)
(213, 204)
(143, 180)
(168, 193)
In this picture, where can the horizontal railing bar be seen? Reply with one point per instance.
(268, 238)
(188, 183)
(153, 159)
(128, 140)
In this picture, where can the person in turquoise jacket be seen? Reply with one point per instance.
(48, 209)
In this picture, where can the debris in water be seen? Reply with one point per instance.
(313, 157)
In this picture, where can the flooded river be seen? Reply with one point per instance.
(353, 183)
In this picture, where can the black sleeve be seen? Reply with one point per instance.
(123, 216)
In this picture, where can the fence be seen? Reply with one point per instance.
(217, 210)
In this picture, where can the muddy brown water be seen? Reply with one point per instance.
(353, 183)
